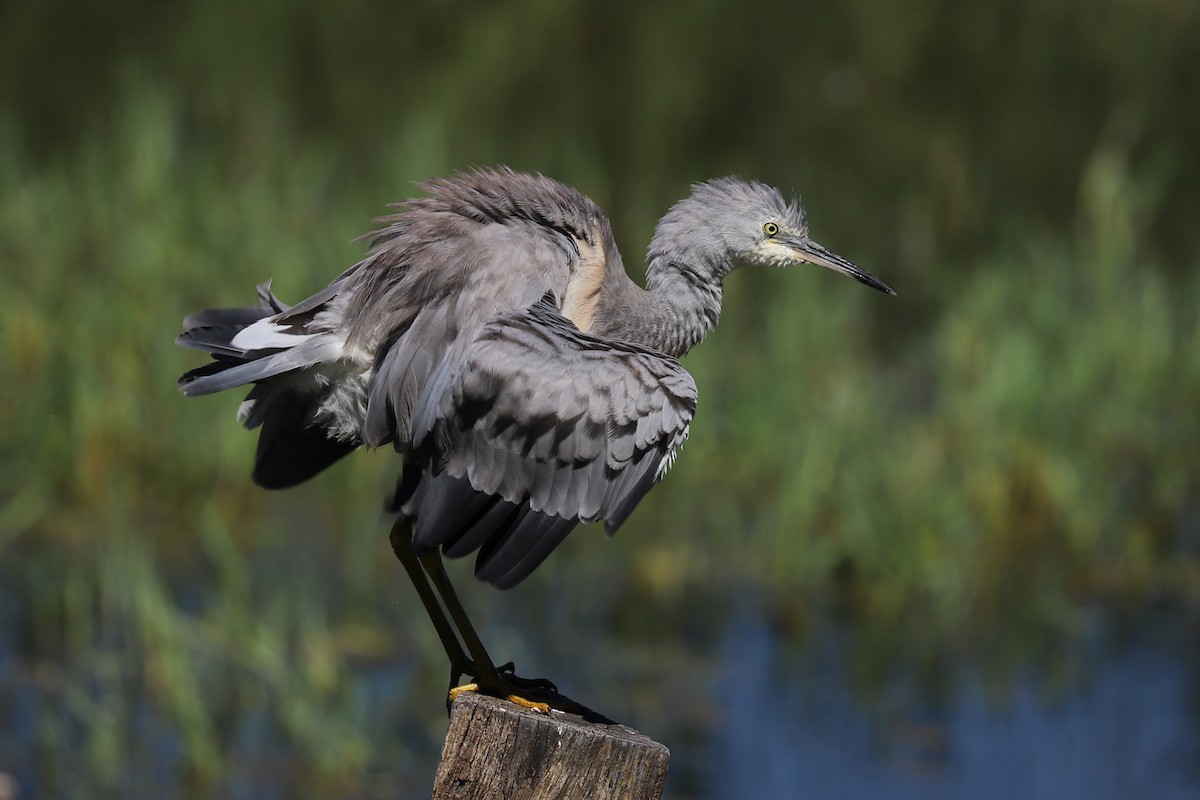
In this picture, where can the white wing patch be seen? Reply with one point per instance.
(266, 335)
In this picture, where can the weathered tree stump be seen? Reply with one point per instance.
(496, 750)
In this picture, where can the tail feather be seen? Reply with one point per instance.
(227, 317)
(234, 372)
(292, 447)
(268, 305)
(215, 341)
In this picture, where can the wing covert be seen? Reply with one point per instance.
(577, 426)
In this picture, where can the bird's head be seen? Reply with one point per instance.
(728, 222)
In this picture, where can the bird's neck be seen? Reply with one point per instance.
(679, 306)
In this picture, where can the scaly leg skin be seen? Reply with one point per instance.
(535, 693)
(460, 664)
(487, 677)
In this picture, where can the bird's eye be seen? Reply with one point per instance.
(770, 229)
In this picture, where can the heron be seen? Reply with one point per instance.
(492, 336)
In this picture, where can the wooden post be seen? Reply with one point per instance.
(496, 750)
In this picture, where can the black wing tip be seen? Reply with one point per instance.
(511, 539)
(643, 483)
(523, 548)
(195, 382)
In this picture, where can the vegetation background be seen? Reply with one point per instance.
(982, 471)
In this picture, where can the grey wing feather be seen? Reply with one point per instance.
(403, 374)
(541, 413)
(308, 307)
(218, 377)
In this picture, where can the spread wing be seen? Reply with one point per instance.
(536, 427)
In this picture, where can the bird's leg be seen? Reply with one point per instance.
(487, 677)
(535, 693)
(401, 538)
(427, 574)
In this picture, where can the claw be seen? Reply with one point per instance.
(537, 694)
(534, 705)
(543, 708)
(509, 672)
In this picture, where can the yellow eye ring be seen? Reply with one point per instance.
(771, 229)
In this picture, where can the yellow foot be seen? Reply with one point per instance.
(512, 698)
(466, 687)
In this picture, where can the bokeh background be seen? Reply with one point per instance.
(940, 545)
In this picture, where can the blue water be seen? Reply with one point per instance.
(1131, 730)
(769, 718)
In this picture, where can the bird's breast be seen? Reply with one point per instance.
(582, 297)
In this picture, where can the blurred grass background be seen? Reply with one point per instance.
(963, 473)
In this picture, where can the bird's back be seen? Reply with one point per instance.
(478, 245)
(492, 240)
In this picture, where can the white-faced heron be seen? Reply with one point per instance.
(492, 336)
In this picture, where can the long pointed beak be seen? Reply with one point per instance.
(810, 252)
